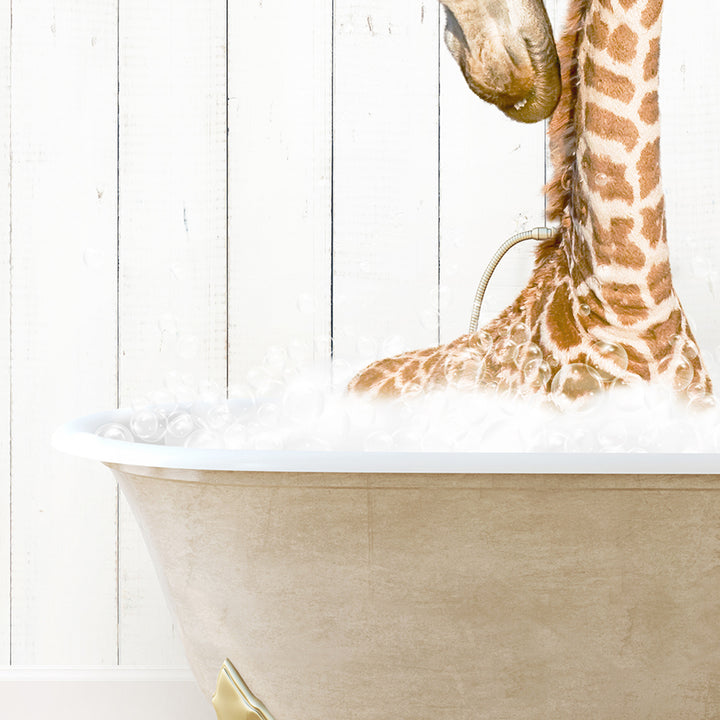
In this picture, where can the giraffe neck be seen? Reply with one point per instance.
(615, 238)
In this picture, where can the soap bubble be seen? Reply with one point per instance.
(519, 333)
(575, 386)
(696, 390)
(276, 359)
(584, 309)
(180, 425)
(218, 417)
(210, 392)
(242, 392)
(601, 179)
(677, 372)
(367, 348)
(115, 431)
(464, 369)
(481, 341)
(527, 353)
(703, 403)
(393, 346)
(609, 354)
(164, 402)
(690, 350)
(536, 375)
(182, 386)
(261, 381)
(147, 425)
(430, 318)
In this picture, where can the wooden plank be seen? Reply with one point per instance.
(385, 210)
(279, 86)
(63, 323)
(491, 177)
(5, 16)
(172, 170)
(690, 157)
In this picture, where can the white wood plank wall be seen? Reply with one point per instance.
(184, 185)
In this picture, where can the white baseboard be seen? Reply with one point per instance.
(110, 693)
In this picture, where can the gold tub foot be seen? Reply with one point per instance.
(233, 700)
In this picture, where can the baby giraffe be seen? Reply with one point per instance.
(600, 299)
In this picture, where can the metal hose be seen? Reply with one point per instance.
(539, 233)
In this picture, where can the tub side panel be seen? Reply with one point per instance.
(64, 265)
(172, 265)
(514, 603)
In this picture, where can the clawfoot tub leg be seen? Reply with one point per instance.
(233, 700)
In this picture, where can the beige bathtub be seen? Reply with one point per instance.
(342, 591)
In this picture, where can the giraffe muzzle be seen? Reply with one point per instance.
(513, 65)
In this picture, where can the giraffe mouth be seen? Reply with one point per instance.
(516, 69)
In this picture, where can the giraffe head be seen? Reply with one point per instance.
(506, 52)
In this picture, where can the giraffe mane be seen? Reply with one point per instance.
(562, 134)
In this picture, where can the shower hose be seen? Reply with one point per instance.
(539, 233)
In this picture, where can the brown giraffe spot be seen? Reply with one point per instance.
(627, 3)
(368, 378)
(649, 108)
(637, 363)
(660, 338)
(626, 302)
(560, 320)
(598, 31)
(608, 125)
(622, 45)
(388, 388)
(660, 281)
(409, 372)
(607, 82)
(607, 177)
(649, 167)
(653, 223)
(613, 246)
(426, 352)
(652, 60)
(430, 362)
(651, 13)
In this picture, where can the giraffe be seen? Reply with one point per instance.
(599, 308)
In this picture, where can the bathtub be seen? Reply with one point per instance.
(361, 586)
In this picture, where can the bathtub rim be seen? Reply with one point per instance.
(77, 437)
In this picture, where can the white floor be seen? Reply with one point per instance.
(107, 693)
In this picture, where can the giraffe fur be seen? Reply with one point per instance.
(600, 294)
